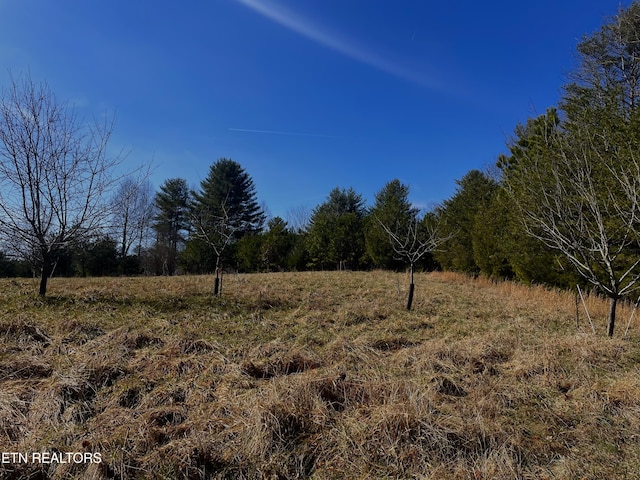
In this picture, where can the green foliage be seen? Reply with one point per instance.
(14, 268)
(277, 245)
(458, 215)
(248, 253)
(391, 208)
(100, 258)
(576, 180)
(336, 233)
(171, 221)
(492, 238)
(299, 258)
(224, 211)
(606, 83)
(228, 191)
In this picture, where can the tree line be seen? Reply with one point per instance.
(561, 207)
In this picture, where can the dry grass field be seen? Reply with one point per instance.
(314, 375)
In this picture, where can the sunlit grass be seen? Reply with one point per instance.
(316, 375)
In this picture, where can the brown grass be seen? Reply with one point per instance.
(316, 375)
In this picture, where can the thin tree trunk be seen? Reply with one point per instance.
(216, 282)
(411, 288)
(612, 316)
(47, 270)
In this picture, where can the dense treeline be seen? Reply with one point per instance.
(561, 207)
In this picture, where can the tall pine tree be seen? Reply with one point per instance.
(223, 211)
(171, 222)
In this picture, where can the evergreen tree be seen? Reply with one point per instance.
(223, 211)
(530, 260)
(336, 232)
(458, 215)
(578, 194)
(278, 242)
(229, 191)
(391, 207)
(492, 238)
(171, 221)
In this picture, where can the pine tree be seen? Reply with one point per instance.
(391, 207)
(171, 221)
(336, 233)
(223, 211)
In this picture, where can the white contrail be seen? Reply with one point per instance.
(306, 28)
(275, 132)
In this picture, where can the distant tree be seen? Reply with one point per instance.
(493, 238)
(299, 259)
(7, 267)
(248, 253)
(391, 206)
(133, 210)
(14, 268)
(171, 221)
(298, 218)
(605, 85)
(224, 210)
(55, 175)
(336, 232)
(228, 191)
(458, 214)
(277, 244)
(97, 258)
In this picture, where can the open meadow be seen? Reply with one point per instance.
(319, 375)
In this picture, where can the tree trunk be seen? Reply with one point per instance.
(410, 299)
(47, 270)
(216, 282)
(411, 288)
(612, 316)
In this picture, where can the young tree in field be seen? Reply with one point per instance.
(171, 221)
(55, 175)
(224, 210)
(391, 206)
(215, 229)
(336, 231)
(413, 238)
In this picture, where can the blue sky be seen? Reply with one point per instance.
(306, 95)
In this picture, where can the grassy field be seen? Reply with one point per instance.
(314, 375)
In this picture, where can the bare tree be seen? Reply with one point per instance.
(412, 240)
(133, 211)
(298, 218)
(217, 231)
(580, 195)
(54, 175)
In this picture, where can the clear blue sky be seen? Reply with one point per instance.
(306, 95)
